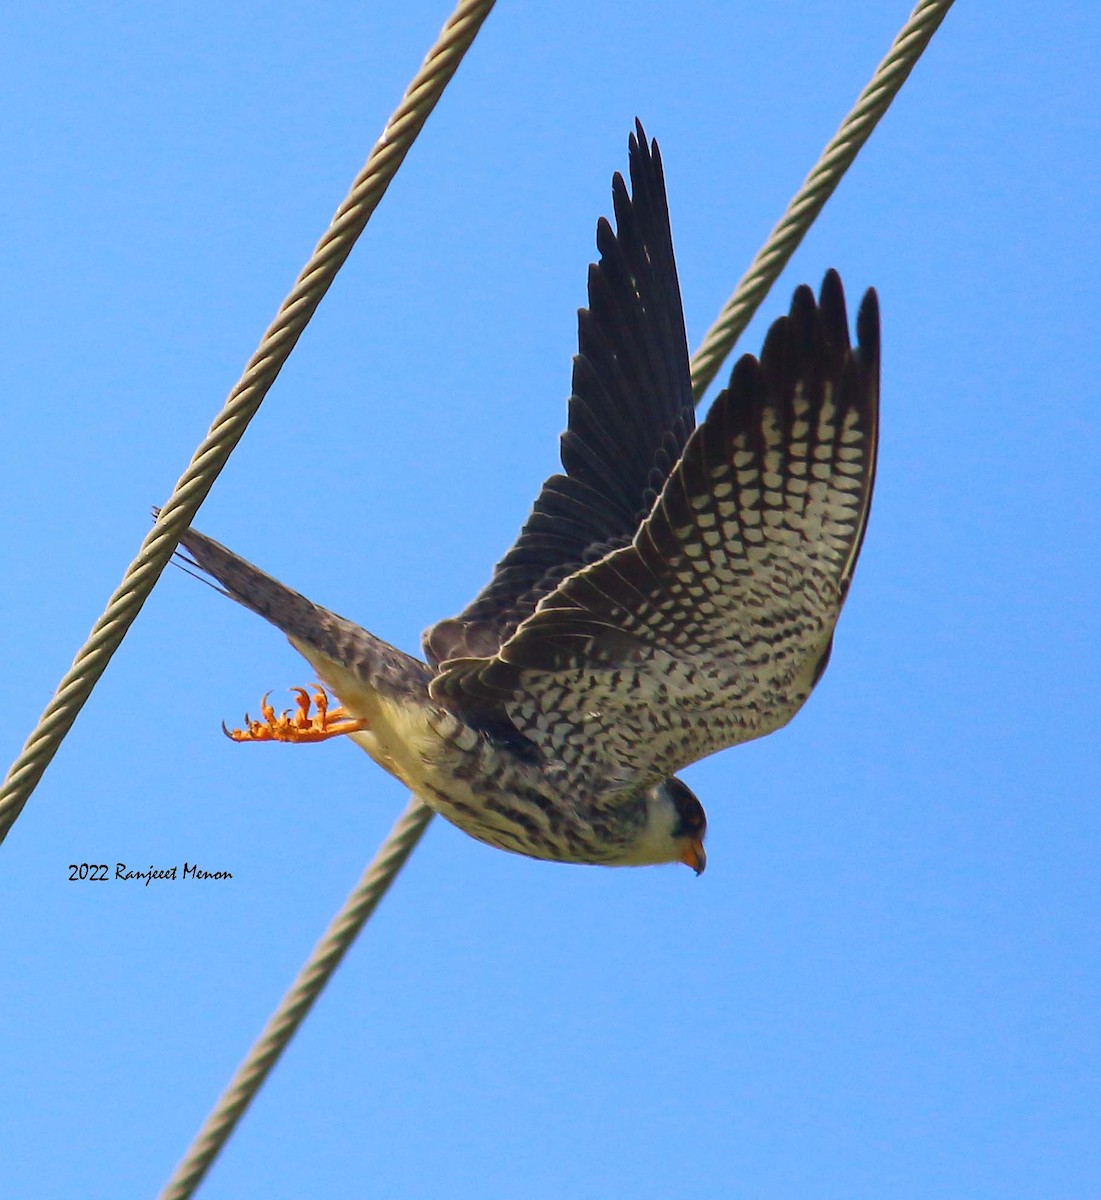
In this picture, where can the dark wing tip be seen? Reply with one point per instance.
(835, 317)
(819, 329)
(804, 312)
(619, 196)
(643, 150)
(867, 328)
(831, 292)
(638, 140)
(788, 342)
(744, 379)
(831, 301)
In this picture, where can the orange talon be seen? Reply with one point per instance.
(303, 719)
(301, 727)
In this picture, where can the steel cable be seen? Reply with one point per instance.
(294, 1006)
(260, 373)
(817, 188)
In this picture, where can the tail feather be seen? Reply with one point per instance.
(308, 625)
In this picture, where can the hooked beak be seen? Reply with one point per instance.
(694, 856)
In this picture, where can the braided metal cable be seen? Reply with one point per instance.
(294, 1006)
(241, 406)
(817, 188)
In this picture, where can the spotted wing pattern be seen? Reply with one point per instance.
(630, 415)
(713, 625)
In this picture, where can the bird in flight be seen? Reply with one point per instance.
(673, 592)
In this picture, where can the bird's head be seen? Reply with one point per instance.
(675, 826)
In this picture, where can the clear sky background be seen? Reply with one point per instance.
(887, 984)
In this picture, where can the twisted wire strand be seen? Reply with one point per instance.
(817, 188)
(294, 1006)
(393, 853)
(259, 374)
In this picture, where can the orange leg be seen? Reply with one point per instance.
(298, 727)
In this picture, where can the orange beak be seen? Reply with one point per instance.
(695, 857)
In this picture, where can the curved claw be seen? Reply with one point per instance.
(301, 726)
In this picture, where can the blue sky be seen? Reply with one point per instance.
(887, 983)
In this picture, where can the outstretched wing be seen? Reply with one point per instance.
(630, 415)
(715, 623)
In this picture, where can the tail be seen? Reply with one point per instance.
(332, 639)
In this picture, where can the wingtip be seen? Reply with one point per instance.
(831, 300)
(638, 139)
(814, 327)
(831, 295)
(831, 285)
(745, 381)
(644, 156)
(803, 304)
(867, 326)
(835, 313)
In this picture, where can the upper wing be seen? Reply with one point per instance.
(715, 623)
(630, 414)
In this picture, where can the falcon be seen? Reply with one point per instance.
(674, 590)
